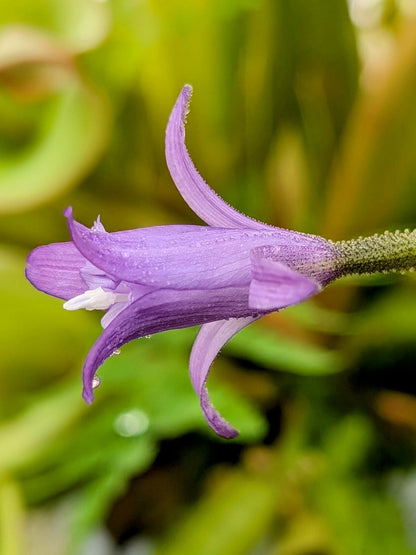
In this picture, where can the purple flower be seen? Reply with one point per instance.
(224, 275)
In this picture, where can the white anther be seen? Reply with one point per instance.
(95, 299)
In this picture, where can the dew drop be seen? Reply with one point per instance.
(96, 382)
(115, 353)
(147, 336)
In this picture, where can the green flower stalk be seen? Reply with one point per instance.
(388, 252)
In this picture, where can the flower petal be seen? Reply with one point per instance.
(55, 270)
(197, 194)
(211, 338)
(158, 311)
(275, 285)
(177, 257)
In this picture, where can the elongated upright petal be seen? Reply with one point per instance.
(211, 338)
(160, 311)
(209, 206)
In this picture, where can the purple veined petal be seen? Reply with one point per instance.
(275, 285)
(158, 311)
(55, 270)
(209, 206)
(177, 257)
(210, 339)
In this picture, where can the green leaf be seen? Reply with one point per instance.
(72, 139)
(389, 320)
(27, 434)
(270, 350)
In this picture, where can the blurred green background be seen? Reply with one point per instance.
(304, 116)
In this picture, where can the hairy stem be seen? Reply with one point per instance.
(388, 252)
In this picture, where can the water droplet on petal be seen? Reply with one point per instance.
(147, 336)
(96, 382)
(115, 353)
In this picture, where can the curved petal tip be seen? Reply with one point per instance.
(186, 92)
(87, 393)
(214, 419)
(68, 212)
(211, 338)
(195, 191)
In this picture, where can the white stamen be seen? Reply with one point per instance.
(95, 299)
